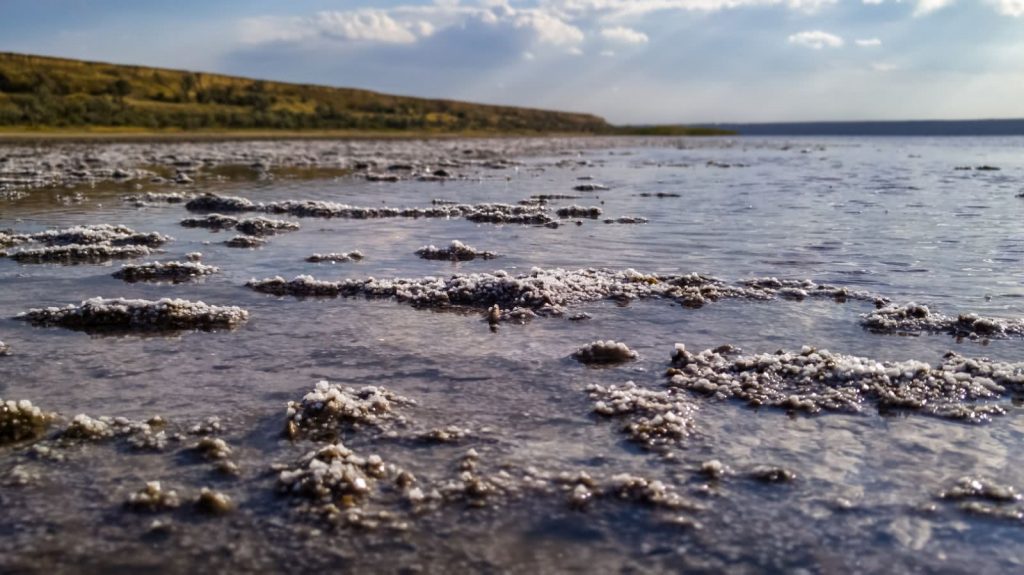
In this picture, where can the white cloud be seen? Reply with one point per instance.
(883, 67)
(868, 42)
(359, 25)
(816, 40)
(1013, 8)
(528, 56)
(627, 8)
(928, 6)
(608, 53)
(624, 35)
(549, 28)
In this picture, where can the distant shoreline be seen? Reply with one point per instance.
(943, 128)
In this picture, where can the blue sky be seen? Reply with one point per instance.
(639, 61)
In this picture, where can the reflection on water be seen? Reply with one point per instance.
(889, 215)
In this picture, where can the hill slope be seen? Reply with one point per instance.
(44, 92)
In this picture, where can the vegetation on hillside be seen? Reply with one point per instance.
(38, 92)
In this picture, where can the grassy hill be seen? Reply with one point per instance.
(46, 94)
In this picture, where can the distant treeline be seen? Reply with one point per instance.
(39, 91)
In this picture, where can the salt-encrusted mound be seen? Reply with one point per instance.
(98, 234)
(4, 348)
(914, 318)
(457, 251)
(329, 408)
(489, 213)
(626, 220)
(543, 291)
(331, 474)
(656, 418)
(75, 253)
(213, 203)
(164, 271)
(145, 435)
(20, 420)
(818, 380)
(158, 198)
(153, 497)
(352, 256)
(575, 211)
(265, 226)
(590, 188)
(801, 289)
(604, 352)
(137, 315)
(10, 238)
(245, 242)
(212, 222)
(984, 497)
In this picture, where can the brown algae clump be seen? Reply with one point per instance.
(137, 315)
(329, 408)
(456, 251)
(604, 352)
(20, 420)
(164, 271)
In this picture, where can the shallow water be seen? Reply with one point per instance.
(888, 215)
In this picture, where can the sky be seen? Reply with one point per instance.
(630, 61)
